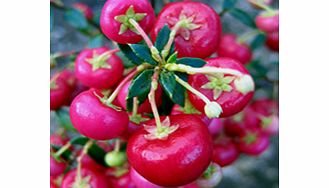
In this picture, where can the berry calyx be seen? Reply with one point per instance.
(124, 20)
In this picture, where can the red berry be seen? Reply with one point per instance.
(56, 167)
(187, 149)
(96, 120)
(230, 47)
(200, 38)
(140, 181)
(231, 101)
(272, 41)
(52, 184)
(268, 22)
(89, 178)
(190, 185)
(225, 152)
(69, 78)
(57, 140)
(59, 93)
(145, 107)
(96, 68)
(85, 9)
(253, 142)
(119, 179)
(115, 17)
(239, 123)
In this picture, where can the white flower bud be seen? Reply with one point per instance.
(213, 110)
(244, 84)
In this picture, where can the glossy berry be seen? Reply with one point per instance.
(134, 124)
(187, 149)
(114, 20)
(230, 47)
(89, 178)
(96, 120)
(221, 89)
(253, 142)
(200, 36)
(140, 181)
(225, 152)
(56, 167)
(85, 9)
(98, 68)
(241, 122)
(272, 41)
(119, 178)
(145, 107)
(59, 93)
(268, 22)
(214, 125)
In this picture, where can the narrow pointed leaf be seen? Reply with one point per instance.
(194, 62)
(144, 53)
(128, 52)
(162, 38)
(141, 84)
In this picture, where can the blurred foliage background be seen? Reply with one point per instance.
(70, 34)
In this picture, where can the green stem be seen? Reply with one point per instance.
(79, 159)
(62, 150)
(124, 81)
(191, 89)
(153, 49)
(135, 106)
(117, 145)
(141, 32)
(172, 35)
(262, 5)
(202, 70)
(245, 37)
(151, 96)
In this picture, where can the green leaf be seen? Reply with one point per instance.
(141, 84)
(162, 38)
(179, 92)
(80, 140)
(96, 17)
(258, 41)
(76, 19)
(172, 58)
(229, 4)
(128, 52)
(243, 17)
(64, 119)
(96, 41)
(168, 83)
(126, 62)
(194, 62)
(143, 52)
(95, 152)
(66, 155)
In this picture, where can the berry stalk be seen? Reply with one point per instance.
(202, 70)
(79, 159)
(212, 109)
(151, 96)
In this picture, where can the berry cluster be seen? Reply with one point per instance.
(174, 118)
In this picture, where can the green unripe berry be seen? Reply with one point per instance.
(115, 159)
